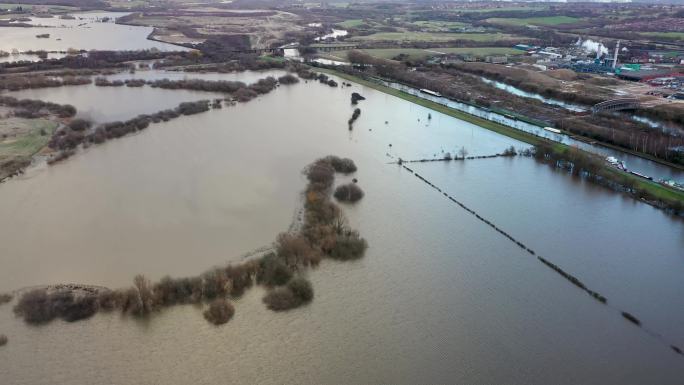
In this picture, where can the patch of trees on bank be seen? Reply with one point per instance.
(31, 108)
(16, 83)
(5, 298)
(324, 234)
(93, 60)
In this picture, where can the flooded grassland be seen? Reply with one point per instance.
(439, 296)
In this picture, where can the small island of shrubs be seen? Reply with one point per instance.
(220, 311)
(349, 192)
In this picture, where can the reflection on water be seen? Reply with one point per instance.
(87, 32)
(517, 91)
(439, 297)
(17, 57)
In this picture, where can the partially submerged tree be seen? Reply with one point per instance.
(220, 311)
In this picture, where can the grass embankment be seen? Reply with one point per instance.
(655, 189)
(351, 23)
(33, 134)
(435, 37)
(665, 35)
(419, 53)
(438, 25)
(539, 21)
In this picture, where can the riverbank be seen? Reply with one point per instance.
(654, 189)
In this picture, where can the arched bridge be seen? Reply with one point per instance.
(318, 47)
(616, 105)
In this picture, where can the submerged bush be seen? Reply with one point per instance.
(288, 79)
(343, 165)
(297, 293)
(5, 298)
(301, 288)
(38, 306)
(355, 115)
(348, 246)
(220, 311)
(349, 192)
(273, 271)
(79, 124)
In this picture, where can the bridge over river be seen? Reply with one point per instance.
(318, 47)
(616, 105)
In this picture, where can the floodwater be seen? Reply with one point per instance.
(90, 30)
(439, 297)
(634, 163)
(107, 104)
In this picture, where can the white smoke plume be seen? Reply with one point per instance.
(593, 46)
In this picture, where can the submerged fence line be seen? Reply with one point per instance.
(449, 158)
(572, 279)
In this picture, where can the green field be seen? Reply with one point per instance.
(35, 134)
(439, 26)
(433, 36)
(540, 21)
(417, 53)
(502, 9)
(665, 35)
(351, 23)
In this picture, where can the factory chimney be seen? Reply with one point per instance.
(617, 49)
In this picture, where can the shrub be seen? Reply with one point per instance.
(320, 172)
(355, 97)
(355, 115)
(245, 94)
(38, 306)
(295, 250)
(5, 298)
(79, 124)
(281, 299)
(273, 271)
(288, 79)
(191, 108)
(349, 192)
(297, 293)
(220, 311)
(343, 165)
(34, 306)
(3, 340)
(348, 246)
(301, 288)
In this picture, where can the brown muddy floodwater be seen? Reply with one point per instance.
(439, 297)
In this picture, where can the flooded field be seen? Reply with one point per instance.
(439, 297)
(89, 30)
